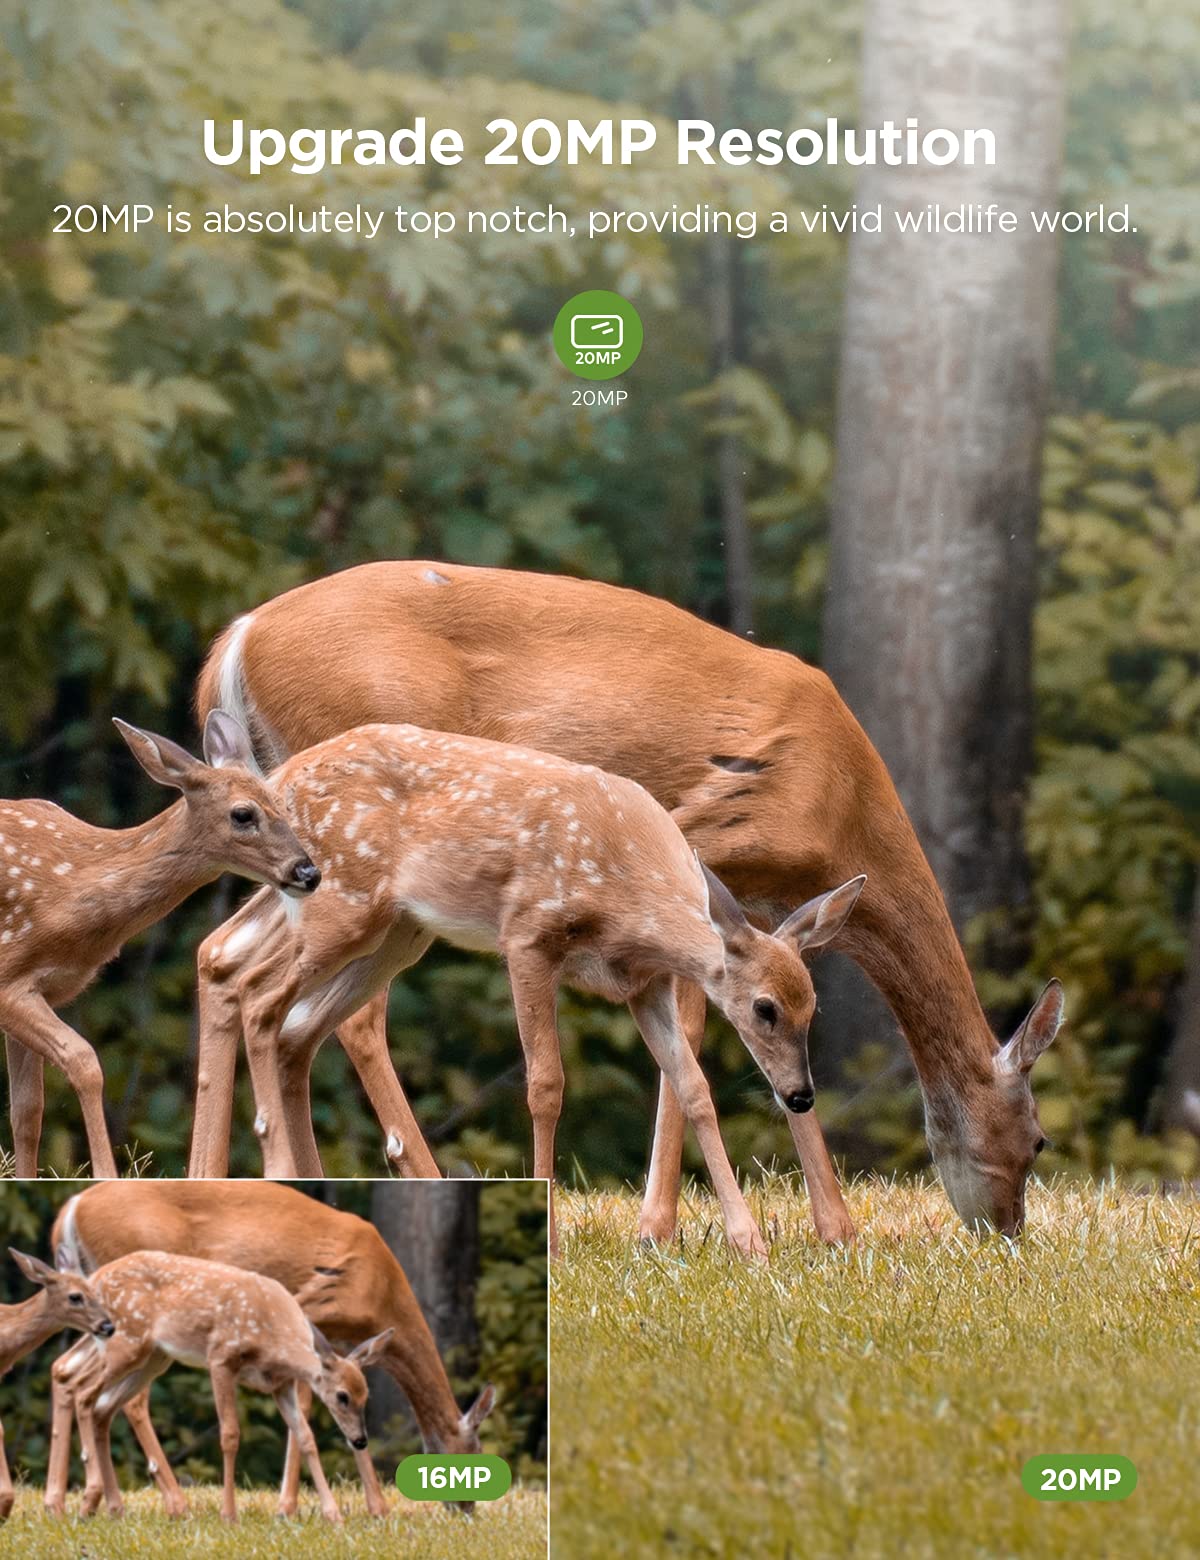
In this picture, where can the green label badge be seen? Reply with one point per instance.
(598, 335)
(453, 1476)
(1079, 1478)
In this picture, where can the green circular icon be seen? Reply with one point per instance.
(598, 334)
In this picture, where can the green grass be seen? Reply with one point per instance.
(512, 1528)
(877, 1400)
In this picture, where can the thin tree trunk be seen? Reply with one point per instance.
(1183, 1063)
(432, 1227)
(724, 289)
(946, 362)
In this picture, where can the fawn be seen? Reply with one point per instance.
(570, 872)
(65, 1299)
(71, 895)
(245, 1328)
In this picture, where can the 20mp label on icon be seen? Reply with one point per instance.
(597, 335)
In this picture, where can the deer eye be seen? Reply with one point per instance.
(344, 1399)
(765, 1009)
(242, 817)
(1041, 1144)
(75, 1299)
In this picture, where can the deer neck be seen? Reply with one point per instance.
(418, 1371)
(23, 1327)
(905, 942)
(144, 872)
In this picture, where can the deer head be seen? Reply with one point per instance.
(340, 1383)
(987, 1186)
(238, 824)
(69, 1299)
(766, 992)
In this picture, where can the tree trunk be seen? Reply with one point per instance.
(724, 298)
(946, 362)
(432, 1227)
(1181, 1091)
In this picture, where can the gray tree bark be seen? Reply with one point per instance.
(724, 296)
(1181, 1089)
(432, 1227)
(946, 362)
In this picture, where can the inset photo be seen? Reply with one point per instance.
(236, 1368)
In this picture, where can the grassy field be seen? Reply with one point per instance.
(512, 1528)
(877, 1400)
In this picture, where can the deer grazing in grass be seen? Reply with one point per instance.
(339, 1268)
(246, 1329)
(570, 873)
(753, 753)
(71, 895)
(64, 1299)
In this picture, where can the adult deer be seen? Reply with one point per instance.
(570, 873)
(339, 1268)
(64, 1299)
(71, 895)
(761, 764)
(245, 1328)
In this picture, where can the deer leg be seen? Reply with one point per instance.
(102, 1446)
(137, 1411)
(298, 1424)
(377, 1505)
(30, 1021)
(7, 1495)
(660, 1206)
(363, 1037)
(224, 1390)
(125, 1369)
(295, 1061)
(655, 1013)
(220, 1028)
(65, 1377)
(831, 1217)
(534, 981)
(289, 1489)
(267, 993)
(26, 1101)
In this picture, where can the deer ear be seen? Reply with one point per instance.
(325, 1350)
(34, 1270)
(723, 909)
(163, 760)
(820, 920)
(372, 1350)
(1038, 1029)
(480, 1408)
(226, 742)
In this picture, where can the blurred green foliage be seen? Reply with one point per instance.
(189, 425)
(510, 1313)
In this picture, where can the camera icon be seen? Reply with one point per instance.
(597, 330)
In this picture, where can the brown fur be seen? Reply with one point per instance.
(764, 768)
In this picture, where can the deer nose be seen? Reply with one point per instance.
(799, 1101)
(106, 1329)
(306, 876)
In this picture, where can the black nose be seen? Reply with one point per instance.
(106, 1329)
(306, 876)
(800, 1101)
(359, 1443)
